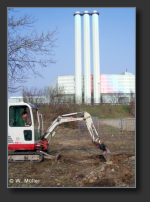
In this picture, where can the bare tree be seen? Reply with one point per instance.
(60, 93)
(56, 94)
(48, 92)
(113, 99)
(26, 51)
(33, 95)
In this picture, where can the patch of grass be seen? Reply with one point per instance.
(110, 129)
(50, 112)
(108, 111)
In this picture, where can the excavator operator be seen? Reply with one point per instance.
(22, 120)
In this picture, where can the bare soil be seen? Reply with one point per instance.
(81, 164)
(111, 122)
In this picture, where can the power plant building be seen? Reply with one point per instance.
(118, 88)
(98, 87)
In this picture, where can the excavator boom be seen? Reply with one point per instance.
(69, 118)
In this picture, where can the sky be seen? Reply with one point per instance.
(116, 41)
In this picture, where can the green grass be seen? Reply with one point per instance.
(102, 112)
(105, 112)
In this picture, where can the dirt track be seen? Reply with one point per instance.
(81, 163)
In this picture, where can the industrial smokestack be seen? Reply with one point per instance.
(78, 61)
(96, 59)
(87, 65)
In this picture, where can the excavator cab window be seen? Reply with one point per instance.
(28, 135)
(15, 116)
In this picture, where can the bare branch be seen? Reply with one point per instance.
(26, 52)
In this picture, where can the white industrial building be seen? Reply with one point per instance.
(15, 99)
(113, 88)
(32, 99)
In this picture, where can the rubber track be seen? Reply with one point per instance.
(26, 153)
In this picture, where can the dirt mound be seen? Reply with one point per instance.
(102, 173)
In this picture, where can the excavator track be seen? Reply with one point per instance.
(25, 157)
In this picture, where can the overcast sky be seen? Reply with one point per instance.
(116, 37)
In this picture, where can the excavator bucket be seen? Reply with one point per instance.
(107, 154)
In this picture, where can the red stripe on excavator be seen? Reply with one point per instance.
(71, 119)
(21, 146)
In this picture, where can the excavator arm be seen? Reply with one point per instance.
(90, 126)
(69, 118)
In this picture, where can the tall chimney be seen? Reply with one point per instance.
(87, 61)
(96, 59)
(78, 61)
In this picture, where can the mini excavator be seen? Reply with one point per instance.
(27, 140)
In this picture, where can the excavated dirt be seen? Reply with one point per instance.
(81, 164)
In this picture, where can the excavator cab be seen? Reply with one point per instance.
(23, 131)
